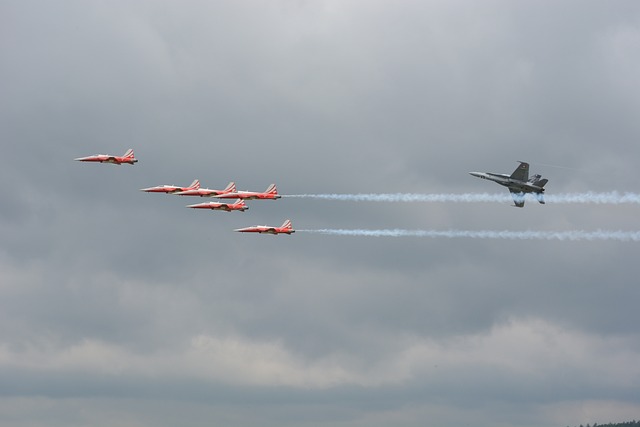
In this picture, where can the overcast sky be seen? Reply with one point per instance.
(121, 308)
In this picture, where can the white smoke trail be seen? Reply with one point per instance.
(611, 198)
(621, 236)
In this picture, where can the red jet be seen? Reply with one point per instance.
(106, 158)
(285, 228)
(269, 193)
(239, 205)
(170, 189)
(207, 192)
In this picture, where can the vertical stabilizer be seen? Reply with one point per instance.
(521, 173)
(231, 188)
(271, 189)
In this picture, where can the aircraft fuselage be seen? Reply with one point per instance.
(507, 181)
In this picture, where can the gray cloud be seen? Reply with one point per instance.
(126, 306)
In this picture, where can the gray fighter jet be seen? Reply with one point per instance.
(518, 183)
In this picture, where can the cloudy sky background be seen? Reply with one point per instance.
(122, 308)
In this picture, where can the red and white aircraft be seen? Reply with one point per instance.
(285, 228)
(270, 193)
(207, 192)
(170, 189)
(238, 205)
(107, 158)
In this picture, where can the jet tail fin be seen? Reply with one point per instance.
(542, 182)
(522, 172)
(518, 198)
(287, 224)
(194, 185)
(231, 188)
(129, 153)
(271, 189)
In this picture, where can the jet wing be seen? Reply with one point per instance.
(518, 197)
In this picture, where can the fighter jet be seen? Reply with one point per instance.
(284, 228)
(107, 158)
(207, 192)
(239, 205)
(170, 189)
(518, 183)
(270, 193)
